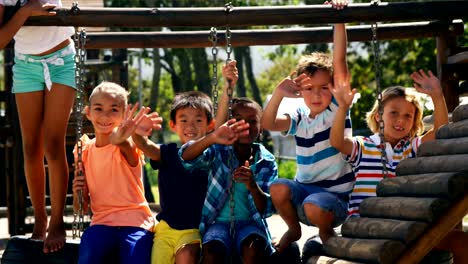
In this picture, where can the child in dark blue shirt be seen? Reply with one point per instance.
(181, 192)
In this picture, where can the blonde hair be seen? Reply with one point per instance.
(392, 93)
(316, 61)
(116, 91)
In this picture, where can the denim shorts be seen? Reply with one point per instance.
(220, 231)
(35, 73)
(309, 193)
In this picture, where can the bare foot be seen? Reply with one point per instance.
(288, 237)
(55, 239)
(40, 228)
(325, 235)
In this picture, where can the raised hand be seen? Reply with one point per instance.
(288, 87)
(244, 175)
(36, 8)
(426, 83)
(337, 4)
(230, 131)
(230, 73)
(128, 125)
(148, 123)
(342, 92)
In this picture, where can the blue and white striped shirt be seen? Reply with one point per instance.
(317, 161)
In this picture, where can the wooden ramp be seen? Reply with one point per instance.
(411, 212)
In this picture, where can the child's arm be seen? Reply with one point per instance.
(225, 134)
(32, 8)
(340, 65)
(245, 175)
(121, 135)
(230, 75)
(430, 85)
(149, 123)
(270, 118)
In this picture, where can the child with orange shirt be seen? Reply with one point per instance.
(122, 222)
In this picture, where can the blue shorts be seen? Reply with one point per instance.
(309, 193)
(34, 73)
(220, 231)
(113, 244)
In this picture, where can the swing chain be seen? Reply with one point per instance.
(214, 82)
(80, 57)
(378, 76)
(228, 9)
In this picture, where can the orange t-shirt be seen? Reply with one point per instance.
(115, 188)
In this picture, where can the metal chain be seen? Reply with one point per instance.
(80, 57)
(228, 34)
(214, 82)
(378, 76)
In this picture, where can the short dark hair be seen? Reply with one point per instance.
(193, 99)
(247, 102)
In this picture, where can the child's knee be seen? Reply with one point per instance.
(280, 191)
(52, 148)
(317, 215)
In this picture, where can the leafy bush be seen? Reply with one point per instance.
(287, 169)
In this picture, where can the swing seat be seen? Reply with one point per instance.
(21, 249)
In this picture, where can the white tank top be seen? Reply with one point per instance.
(35, 40)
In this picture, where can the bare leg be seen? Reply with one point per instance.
(189, 254)
(214, 252)
(253, 250)
(58, 103)
(322, 219)
(30, 112)
(281, 197)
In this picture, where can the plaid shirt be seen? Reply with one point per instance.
(216, 160)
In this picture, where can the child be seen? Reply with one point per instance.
(239, 178)
(122, 221)
(181, 192)
(44, 58)
(323, 180)
(402, 116)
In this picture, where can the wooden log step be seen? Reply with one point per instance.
(445, 163)
(327, 260)
(448, 185)
(378, 228)
(453, 130)
(403, 208)
(449, 146)
(364, 250)
(460, 113)
(21, 249)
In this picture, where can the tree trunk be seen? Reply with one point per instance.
(185, 72)
(201, 68)
(250, 75)
(239, 56)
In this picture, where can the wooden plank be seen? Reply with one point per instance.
(447, 222)
(328, 260)
(22, 250)
(445, 163)
(453, 130)
(404, 208)
(458, 58)
(379, 228)
(198, 39)
(448, 185)
(449, 146)
(366, 250)
(250, 16)
(460, 113)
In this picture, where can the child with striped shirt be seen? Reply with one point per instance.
(319, 194)
(402, 116)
